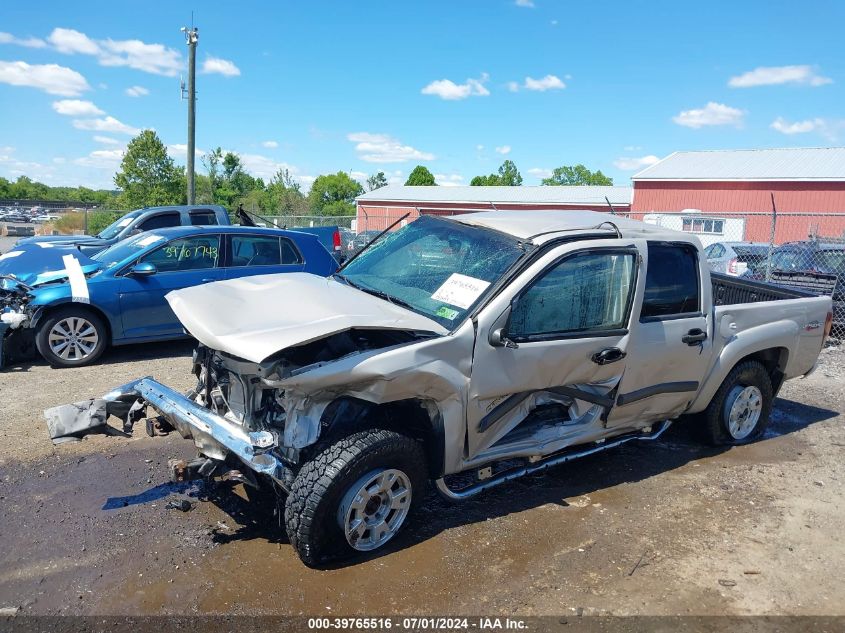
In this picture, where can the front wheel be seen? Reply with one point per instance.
(355, 495)
(71, 337)
(740, 410)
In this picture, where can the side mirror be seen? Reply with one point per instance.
(144, 269)
(498, 336)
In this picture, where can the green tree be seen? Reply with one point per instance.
(334, 194)
(147, 175)
(420, 177)
(508, 176)
(376, 181)
(285, 195)
(577, 175)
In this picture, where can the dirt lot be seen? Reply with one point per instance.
(671, 528)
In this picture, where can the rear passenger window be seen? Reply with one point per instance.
(671, 286)
(260, 250)
(204, 217)
(160, 221)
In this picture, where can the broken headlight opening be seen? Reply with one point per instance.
(17, 339)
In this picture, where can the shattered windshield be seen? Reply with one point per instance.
(125, 249)
(434, 266)
(118, 225)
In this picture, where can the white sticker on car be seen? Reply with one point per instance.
(460, 290)
(150, 239)
(78, 283)
(125, 222)
(10, 255)
(44, 244)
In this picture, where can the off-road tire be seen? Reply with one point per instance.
(42, 338)
(311, 509)
(714, 422)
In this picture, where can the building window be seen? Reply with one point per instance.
(710, 226)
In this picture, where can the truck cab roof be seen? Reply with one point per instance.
(541, 226)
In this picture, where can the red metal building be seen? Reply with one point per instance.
(378, 209)
(808, 185)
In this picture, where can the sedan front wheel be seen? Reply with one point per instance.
(71, 337)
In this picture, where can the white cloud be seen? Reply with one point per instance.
(629, 163)
(106, 140)
(711, 114)
(479, 147)
(102, 159)
(137, 91)
(180, 150)
(220, 66)
(449, 180)
(528, 4)
(540, 172)
(51, 78)
(549, 82)
(70, 42)
(449, 90)
(76, 107)
(632, 148)
(151, 58)
(382, 148)
(265, 167)
(28, 42)
(503, 150)
(270, 144)
(799, 127)
(776, 75)
(105, 124)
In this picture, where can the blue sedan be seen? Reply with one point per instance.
(77, 306)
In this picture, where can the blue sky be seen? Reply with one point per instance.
(457, 86)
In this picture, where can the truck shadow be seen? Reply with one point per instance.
(628, 463)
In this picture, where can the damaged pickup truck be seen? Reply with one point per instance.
(468, 350)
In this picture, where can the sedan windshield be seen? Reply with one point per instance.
(118, 225)
(437, 267)
(126, 249)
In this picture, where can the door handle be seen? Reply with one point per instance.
(607, 356)
(694, 337)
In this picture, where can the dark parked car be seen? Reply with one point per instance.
(810, 265)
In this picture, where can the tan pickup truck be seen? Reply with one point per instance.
(467, 350)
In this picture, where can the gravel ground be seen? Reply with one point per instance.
(659, 528)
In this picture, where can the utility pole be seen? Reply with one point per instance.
(191, 38)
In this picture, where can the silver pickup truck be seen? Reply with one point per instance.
(467, 350)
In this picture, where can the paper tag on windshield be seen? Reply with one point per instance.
(460, 290)
(150, 239)
(125, 222)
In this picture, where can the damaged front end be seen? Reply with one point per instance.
(17, 339)
(239, 413)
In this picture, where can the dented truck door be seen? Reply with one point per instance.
(557, 335)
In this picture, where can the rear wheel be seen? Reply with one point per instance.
(740, 410)
(355, 495)
(71, 337)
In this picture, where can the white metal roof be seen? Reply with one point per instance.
(582, 195)
(791, 164)
(525, 224)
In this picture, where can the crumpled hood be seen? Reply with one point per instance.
(65, 240)
(255, 317)
(34, 265)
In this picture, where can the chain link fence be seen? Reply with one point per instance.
(797, 250)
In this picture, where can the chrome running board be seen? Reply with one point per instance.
(553, 460)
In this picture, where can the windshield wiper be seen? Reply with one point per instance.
(376, 293)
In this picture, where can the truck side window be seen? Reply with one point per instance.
(203, 217)
(671, 283)
(160, 221)
(586, 292)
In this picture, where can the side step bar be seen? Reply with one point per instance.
(553, 460)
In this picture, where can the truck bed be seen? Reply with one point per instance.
(729, 290)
